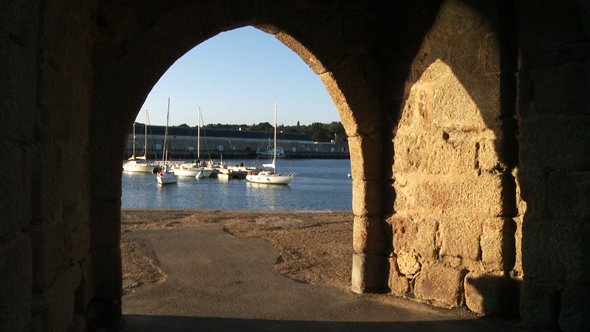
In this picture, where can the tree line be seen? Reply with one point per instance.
(320, 132)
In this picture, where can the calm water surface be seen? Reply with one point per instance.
(320, 184)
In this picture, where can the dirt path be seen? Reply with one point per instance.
(315, 246)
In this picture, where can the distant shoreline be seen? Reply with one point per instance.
(181, 155)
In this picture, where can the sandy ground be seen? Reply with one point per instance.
(315, 246)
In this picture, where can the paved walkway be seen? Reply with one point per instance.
(218, 282)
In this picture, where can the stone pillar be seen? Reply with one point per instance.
(369, 264)
(104, 264)
(453, 222)
(362, 120)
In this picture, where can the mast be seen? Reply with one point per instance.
(199, 137)
(133, 156)
(275, 145)
(166, 136)
(145, 145)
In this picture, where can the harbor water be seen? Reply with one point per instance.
(320, 184)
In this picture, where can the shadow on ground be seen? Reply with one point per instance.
(133, 323)
(216, 281)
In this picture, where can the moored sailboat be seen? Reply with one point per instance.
(139, 164)
(165, 176)
(268, 176)
(193, 169)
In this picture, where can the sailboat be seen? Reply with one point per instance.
(139, 164)
(267, 176)
(193, 169)
(165, 176)
(268, 152)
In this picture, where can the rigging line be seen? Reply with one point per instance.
(206, 140)
(187, 154)
(152, 134)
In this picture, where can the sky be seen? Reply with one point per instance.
(236, 77)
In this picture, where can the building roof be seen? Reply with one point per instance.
(225, 133)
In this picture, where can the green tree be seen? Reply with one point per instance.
(320, 132)
(263, 126)
(336, 130)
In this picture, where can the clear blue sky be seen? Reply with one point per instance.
(236, 77)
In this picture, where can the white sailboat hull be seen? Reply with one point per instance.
(192, 172)
(166, 178)
(132, 166)
(270, 178)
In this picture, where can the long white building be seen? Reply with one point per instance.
(183, 143)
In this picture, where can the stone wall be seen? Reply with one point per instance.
(453, 229)
(46, 52)
(554, 115)
(453, 109)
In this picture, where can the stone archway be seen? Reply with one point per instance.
(130, 64)
(76, 72)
